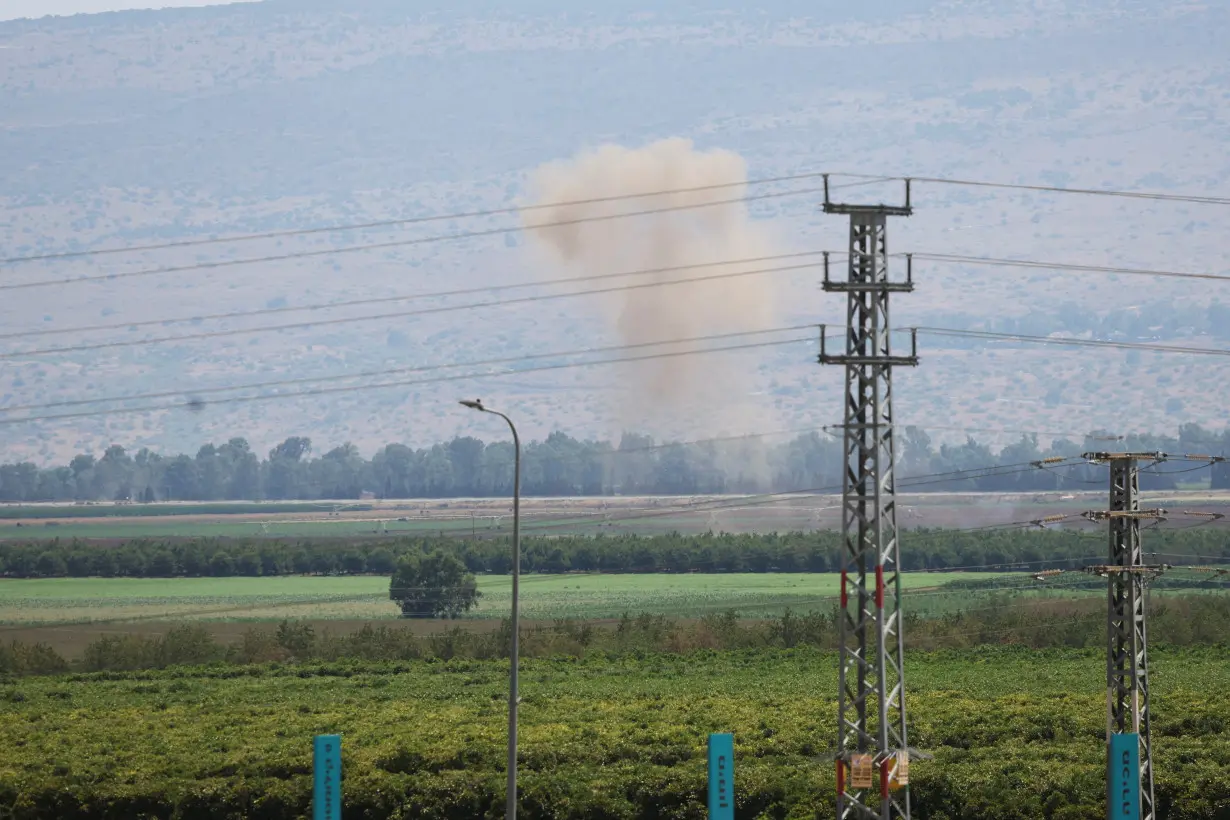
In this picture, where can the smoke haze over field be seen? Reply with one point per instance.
(706, 386)
(126, 130)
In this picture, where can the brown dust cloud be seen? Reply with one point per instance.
(708, 394)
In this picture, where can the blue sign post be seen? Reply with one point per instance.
(327, 767)
(1123, 778)
(721, 777)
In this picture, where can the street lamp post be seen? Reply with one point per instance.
(510, 806)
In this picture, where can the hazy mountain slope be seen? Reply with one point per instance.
(143, 126)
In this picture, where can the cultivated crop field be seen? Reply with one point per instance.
(541, 516)
(579, 596)
(69, 613)
(611, 739)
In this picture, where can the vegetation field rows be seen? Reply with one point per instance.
(544, 597)
(610, 738)
(213, 717)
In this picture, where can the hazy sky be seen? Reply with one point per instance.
(12, 9)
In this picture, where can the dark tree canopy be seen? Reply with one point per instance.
(811, 551)
(433, 585)
(564, 466)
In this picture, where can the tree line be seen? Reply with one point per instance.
(924, 549)
(564, 466)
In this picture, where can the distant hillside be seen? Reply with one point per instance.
(141, 127)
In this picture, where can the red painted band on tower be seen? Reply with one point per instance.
(843, 588)
(879, 586)
(884, 779)
(841, 776)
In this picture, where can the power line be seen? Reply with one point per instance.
(395, 370)
(597, 291)
(1000, 430)
(1064, 266)
(198, 405)
(1192, 198)
(412, 297)
(238, 314)
(1058, 340)
(711, 505)
(418, 220)
(400, 314)
(1155, 471)
(1062, 434)
(400, 243)
(864, 179)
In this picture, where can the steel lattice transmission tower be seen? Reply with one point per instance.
(1127, 656)
(872, 748)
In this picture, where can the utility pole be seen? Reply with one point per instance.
(514, 698)
(872, 747)
(1127, 656)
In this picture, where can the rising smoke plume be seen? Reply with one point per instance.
(712, 388)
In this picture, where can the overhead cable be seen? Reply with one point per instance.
(1198, 199)
(401, 222)
(1068, 340)
(409, 297)
(398, 243)
(557, 354)
(400, 314)
(197, 404)
(1063, 266)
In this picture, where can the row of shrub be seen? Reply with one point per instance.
(1175, 620)
(930, 549)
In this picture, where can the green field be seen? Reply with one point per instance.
(1015, 734)
(543, 597)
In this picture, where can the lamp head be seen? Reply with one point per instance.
(477, 404)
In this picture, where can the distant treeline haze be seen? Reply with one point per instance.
(564, 466)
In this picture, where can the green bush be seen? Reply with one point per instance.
(17, 658)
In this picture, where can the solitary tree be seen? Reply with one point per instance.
(433, 586)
